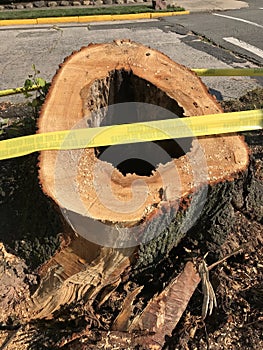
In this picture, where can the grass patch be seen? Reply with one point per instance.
(58, 12)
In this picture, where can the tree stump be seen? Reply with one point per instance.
(124, 72)
(125, 218)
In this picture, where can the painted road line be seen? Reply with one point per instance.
(239, 19)
(253, 49)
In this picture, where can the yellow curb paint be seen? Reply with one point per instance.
(167, 14)
(131, 16)
(83, 19)
(99, 18)
(52, 20)
(12, 22)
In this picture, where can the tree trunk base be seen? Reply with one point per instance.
(88, 296)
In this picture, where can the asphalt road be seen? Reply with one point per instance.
(240, 31)
(47, 46)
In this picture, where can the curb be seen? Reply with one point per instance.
(83, 19)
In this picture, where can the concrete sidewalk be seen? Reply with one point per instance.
(211, 5)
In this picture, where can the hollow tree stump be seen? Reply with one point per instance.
(108, 74)
(150, 207)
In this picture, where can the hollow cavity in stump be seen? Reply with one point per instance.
(124, 91)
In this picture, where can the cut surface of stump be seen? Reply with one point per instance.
(135, 199)
(103, 75)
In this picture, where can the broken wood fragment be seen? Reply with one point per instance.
(163, 312)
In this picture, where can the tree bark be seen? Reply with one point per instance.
(88, 278)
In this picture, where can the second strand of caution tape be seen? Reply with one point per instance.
(201, 72)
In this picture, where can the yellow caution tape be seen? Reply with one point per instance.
(211, 72)
(202, 72)
(18, 90)
(130, 133)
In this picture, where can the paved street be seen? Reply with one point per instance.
(239, 31)
(46, 46)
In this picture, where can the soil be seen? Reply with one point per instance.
(236, 322)
(31, 231)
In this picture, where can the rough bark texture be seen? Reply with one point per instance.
(91, 297)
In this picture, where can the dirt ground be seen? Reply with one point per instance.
(236, 322)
